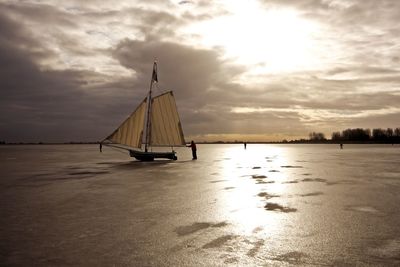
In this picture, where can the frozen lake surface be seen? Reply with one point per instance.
(268, 205)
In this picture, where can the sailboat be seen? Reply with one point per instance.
(157, 120)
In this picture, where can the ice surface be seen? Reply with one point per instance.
(267, 205)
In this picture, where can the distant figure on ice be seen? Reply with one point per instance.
(245, 144)
(194, 150)
(101, 147)
(341, 146)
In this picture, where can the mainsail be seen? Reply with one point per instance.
(130, 132)
(166, 129)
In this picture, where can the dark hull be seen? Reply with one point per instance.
(150, 156)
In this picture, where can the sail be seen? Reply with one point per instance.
(166, 129)
(130, 131)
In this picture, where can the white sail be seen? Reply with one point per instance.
(131, 130)
(166, 129)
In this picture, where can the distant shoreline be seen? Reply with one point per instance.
(217, 142)
(50, 143)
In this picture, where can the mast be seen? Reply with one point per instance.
(148, 123)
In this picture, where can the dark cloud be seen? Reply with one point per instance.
(50, 105)
(199, 77)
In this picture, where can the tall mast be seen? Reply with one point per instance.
(148, 123)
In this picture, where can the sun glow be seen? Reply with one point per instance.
(275, 40)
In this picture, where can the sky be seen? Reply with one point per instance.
(263, 70)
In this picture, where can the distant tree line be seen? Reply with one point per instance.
(317, 137)
(388, 136)
(378, 135)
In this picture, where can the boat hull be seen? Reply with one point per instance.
(150, 156)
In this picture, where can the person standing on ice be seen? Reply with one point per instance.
(194, 150)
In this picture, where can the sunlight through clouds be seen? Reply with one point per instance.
(273, 40)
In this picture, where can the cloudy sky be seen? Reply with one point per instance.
(248, 70)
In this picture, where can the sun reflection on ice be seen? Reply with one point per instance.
(253, 176)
